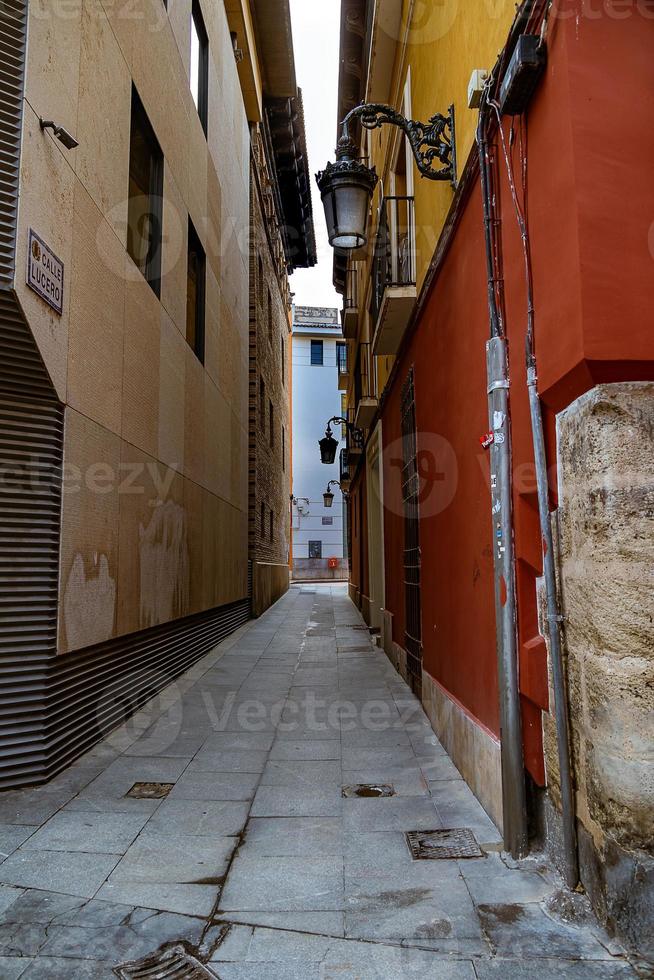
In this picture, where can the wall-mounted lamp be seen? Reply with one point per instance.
(64, 137)
(347, 186)
(328, 496)
(329, 445)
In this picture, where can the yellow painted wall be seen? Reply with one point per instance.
(446, 41)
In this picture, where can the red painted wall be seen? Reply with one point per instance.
(590, 152)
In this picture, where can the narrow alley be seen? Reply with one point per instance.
(226, 828)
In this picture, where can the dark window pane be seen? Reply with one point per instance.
(316, 352)
(195, 293)
(199, 77)
(315, 549)
(145, 196)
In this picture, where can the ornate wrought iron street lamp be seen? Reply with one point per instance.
(329, 445)
(347, 186)
(328, 496)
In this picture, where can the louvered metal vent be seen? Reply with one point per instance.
(13, 32)
(174, 962)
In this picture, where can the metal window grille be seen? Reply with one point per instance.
(410, 497)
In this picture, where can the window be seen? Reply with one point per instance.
(263, 520)
(145, 196)
(315, 549)
(196, 274)
(328, 521)
(262, 404)
(272, 526)
(271, 424)
(260, 283)
(270, 316)
(283, 360)
(283, 449)
(199, 78)
(341, 358)
(316, 352)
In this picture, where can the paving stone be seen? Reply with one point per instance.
(12, 967)
(64, 968)
(174, 859)
(31, 807)
(303, 750)
(12, 836)
(279, 883)
(199, 818)
(378, 758)
(229, 760)
(550, 969)
(229, 741)
(219, 786)
(327, 923)
(137, 934)
(69, 872)
(192, 900)
(511, 888)
(294, 836)
(390, 813)
(104, 833)
(301, 774)
(33, 905)
(285, 801)
(525, 931)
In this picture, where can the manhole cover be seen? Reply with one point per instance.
(172, 962)
(367, 790)
(150, 791)
(432, 845)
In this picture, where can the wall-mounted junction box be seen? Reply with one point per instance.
(476, 87)
(523, 74)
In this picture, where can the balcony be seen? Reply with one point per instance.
(365, 398)
(344, 466)
(351, 304)
(341, 367)
(393, 274)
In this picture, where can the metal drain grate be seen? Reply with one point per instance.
(173, 962)
(432, 845)
(368, 790)
(150, 791)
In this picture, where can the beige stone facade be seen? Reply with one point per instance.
(150, 559)
(154, 522)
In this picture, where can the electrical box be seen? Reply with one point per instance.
(523, 74)
(476, 87)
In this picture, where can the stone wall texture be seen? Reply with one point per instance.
(605, 535)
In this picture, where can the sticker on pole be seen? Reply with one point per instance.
(487, 440)
(45, 272)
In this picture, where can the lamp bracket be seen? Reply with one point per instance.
(351, 427)
(430, 142)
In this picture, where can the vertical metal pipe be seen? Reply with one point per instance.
(571, 868)
(513, 776)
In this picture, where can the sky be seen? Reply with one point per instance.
(316, 37)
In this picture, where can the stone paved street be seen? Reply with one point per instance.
(254, 858)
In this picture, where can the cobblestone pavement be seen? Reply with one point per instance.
(253, 860)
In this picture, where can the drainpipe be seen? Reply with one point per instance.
(513, 777)
(571, 865)
(553, 610)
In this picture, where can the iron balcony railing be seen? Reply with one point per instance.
(394, 259)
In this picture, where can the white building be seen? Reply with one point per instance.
(318, 531)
